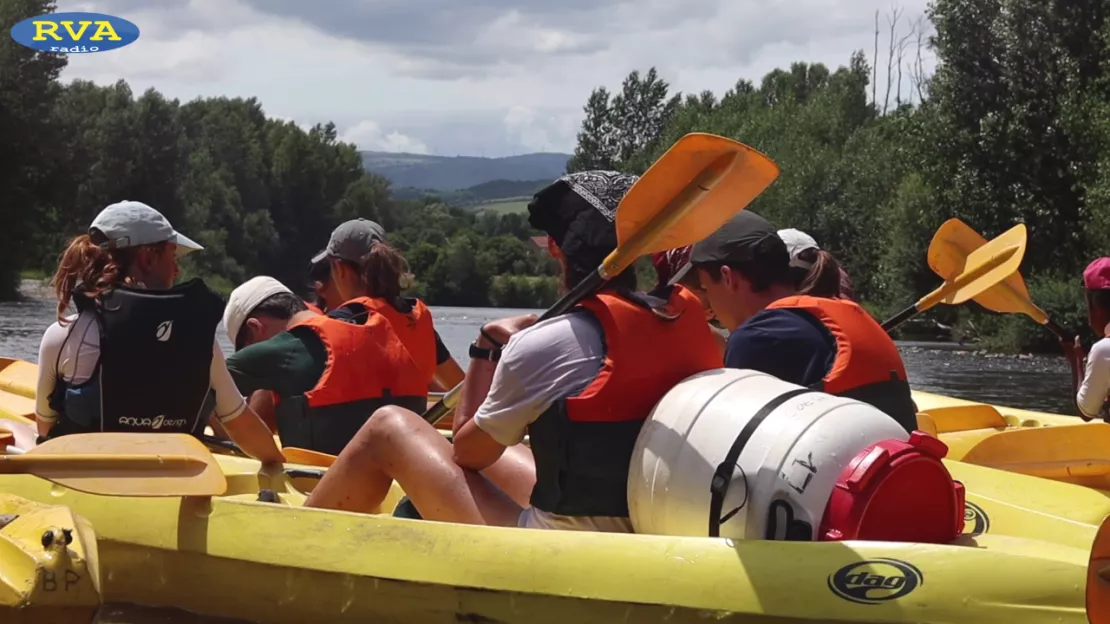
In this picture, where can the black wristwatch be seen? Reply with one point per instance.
(482, 353)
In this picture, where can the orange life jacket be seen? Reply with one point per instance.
(413, 328)
(367, 367)
(315, 308)
(867, 366)
(583, 444)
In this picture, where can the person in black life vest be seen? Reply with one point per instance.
(364, 271)
(325, 376)
(831, 344)
(141, 354)
(580, 385)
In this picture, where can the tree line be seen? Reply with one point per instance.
(261, 195)
(1013, 126)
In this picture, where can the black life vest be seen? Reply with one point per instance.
(583, 444)
(155, 358)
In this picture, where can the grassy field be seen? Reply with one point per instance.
(506, 205)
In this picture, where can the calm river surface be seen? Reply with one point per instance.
(1030, 382)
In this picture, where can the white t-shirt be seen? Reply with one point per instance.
(70, 352)
(1096, 380)
(551, 360)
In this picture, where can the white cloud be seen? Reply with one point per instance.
(486, 77)
(368, 135)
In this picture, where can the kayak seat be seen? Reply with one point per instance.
(963, 418)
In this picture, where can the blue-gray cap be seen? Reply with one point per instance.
(352, 240)
(131, 224)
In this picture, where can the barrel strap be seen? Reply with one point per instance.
(722, 477)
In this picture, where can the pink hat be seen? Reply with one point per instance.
(1097, 275)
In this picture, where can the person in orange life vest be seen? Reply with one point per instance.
(818, 342)
(369, 275)
(580, 385)
(673, 267)
(1091, 373)
(324, 376)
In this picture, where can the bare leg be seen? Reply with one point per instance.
(398, 445)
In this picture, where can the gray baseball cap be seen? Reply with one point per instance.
(352, 240)
(131, 224)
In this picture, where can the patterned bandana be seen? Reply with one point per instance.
(578, 211)
(603, 189)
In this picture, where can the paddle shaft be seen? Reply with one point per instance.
(15, 464)
(900, 318)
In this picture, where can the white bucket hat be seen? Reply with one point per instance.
(245, 299)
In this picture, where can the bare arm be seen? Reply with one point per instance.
(253, 436)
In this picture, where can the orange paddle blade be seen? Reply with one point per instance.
(689, 192)
(294, 455)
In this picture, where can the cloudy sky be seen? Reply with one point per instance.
(471, 77)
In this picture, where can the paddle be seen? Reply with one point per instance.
(293, 455)
(979, 270)
(1008, 297)
(306, 457)
(123, 464)
(693, 189)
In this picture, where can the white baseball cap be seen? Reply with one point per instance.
(245, 299)
(797, 241)
(132, 223)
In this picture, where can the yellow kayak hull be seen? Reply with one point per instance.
(280, 563)
(48, 564)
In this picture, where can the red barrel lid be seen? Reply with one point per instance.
(896, 491)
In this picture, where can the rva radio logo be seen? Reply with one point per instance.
(75, 33)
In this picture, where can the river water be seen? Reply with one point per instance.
(1030, 382)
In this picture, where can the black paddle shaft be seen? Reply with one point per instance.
(900, 318)
(574, 296)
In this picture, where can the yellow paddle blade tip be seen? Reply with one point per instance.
(690, 191)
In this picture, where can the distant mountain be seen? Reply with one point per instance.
(451, 173)
(479, 193)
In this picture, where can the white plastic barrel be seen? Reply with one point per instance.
(795, 455)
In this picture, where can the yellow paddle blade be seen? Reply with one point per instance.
(686, 195)
(18, 380)
(952, 244)
(983, 268)
(294, 455)
(18, 377)
(123, 464)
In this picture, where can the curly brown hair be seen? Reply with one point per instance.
(98, 270)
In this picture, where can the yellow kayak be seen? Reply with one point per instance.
(1051, 446)
(48, 564)
(277, 562)
(997, 502)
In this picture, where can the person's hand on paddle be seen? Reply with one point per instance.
(1073, 351)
